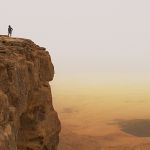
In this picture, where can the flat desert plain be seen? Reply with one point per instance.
(106, 121)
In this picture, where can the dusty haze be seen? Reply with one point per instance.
(100, 50)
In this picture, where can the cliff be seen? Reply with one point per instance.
(28, 120)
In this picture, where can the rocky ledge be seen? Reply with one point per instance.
(28, 120)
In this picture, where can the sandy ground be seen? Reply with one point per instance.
(104, 123)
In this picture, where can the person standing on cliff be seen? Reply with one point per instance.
(10, 29)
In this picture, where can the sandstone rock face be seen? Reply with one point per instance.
(28, 120)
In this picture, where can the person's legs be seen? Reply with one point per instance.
(10, 33)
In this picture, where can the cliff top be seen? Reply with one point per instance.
(17, 50)
(13, 39)
(11, 42)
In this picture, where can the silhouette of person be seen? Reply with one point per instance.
(10, 29)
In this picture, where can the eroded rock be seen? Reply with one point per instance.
(28, 120)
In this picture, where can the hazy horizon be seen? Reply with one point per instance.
(100, 50)
(89, 39)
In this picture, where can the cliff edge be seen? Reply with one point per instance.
(28, 120)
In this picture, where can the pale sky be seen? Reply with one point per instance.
(87, 39)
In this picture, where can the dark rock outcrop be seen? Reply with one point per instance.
(28, 120)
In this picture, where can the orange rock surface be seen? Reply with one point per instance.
(28, 120)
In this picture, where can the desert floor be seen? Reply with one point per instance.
(108, 121)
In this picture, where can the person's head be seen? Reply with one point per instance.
(9, 26)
